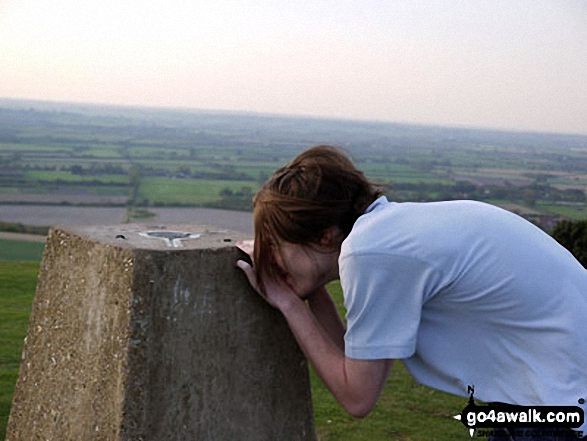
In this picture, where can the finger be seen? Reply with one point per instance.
(246, 245)
(249, 272)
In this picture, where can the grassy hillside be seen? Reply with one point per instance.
(17, 287)
(18, 250)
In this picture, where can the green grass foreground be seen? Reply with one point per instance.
(18, 281)
(405, 411)
(19, 250)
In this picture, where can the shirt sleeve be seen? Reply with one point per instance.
(383, 297)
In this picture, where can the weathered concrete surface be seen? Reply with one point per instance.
(132, 338)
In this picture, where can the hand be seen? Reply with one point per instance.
(247, 246)
(277, 293)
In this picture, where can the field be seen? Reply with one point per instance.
(66, 154)
(18, 250)
(17, 287)
(405, 411)
(160, 191)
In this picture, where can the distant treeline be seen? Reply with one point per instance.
(24, 229)
(573, 236)
(528, 194)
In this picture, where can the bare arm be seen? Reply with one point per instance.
(327, 315)
(356, 384)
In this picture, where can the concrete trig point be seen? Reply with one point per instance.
(138, 336)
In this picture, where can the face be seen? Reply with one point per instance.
(304, 268)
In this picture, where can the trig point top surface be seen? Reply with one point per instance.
(158, 236)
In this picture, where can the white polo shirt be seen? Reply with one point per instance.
(467, 294)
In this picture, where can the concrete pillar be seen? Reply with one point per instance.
(151, 333)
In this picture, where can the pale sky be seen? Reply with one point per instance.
(506, 64)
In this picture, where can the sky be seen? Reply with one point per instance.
(504, 64)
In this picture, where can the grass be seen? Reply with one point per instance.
(18, 250)
(9, 190)
(405, 411)
(575, 213)
(17, 288)
(171, 191)
(31, 148)
(400, 173)
(70, 177)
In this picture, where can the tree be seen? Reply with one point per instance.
(573, 236)
(226, 193)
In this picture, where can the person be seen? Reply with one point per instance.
(466, 294)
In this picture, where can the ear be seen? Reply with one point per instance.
(330, 236)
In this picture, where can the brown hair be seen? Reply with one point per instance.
(319, 189)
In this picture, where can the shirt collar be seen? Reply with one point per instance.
(377, 204)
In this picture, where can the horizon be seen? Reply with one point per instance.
(489, 64)
(130, 107)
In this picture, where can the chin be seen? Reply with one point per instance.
(305, 293)
(304, 296)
